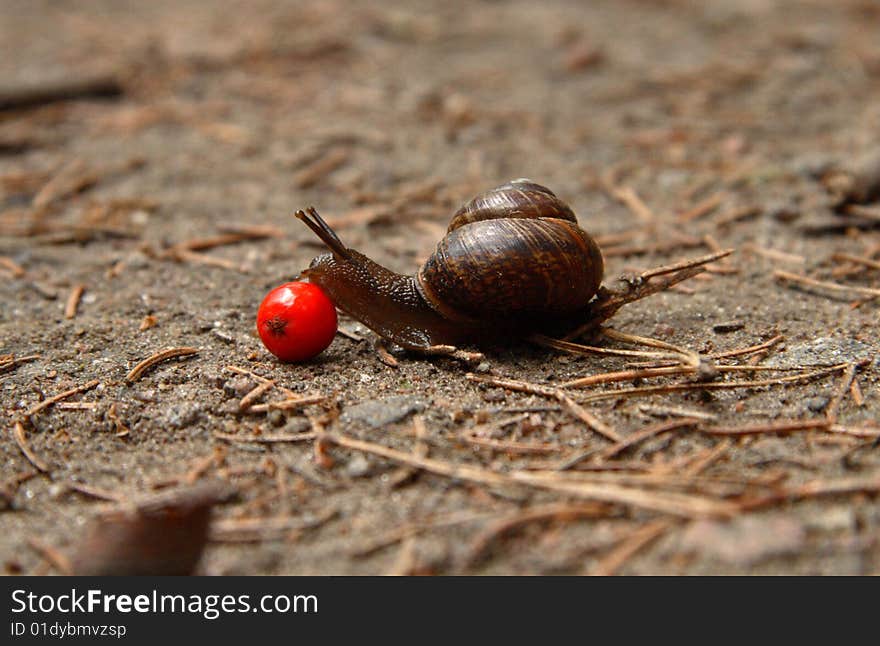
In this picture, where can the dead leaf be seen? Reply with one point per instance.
(163, 534)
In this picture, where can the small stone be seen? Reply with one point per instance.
(147, 396)
(817, 404)
(229, 407)
(276, 417)
(483, 366)
(663, 330)
(13, 567)
(223, 336)
(136, 260)
(296, 425)
(43, 289)
(723, 328)
(494, 396)
(706, 371)
(782, 210)
(238, 386)
(377, 413)
(358, 466)
(183, 415)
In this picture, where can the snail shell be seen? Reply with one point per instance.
(514, 250)
(519, 198)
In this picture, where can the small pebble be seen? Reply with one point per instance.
(358, 466)
(296, 425)
(722, 328)
(238, 386)
(782, 211)
(136, 260)
(183, 415)
(43, 289)
(495, 395)
(706, 371)
(665, 331)
(381, 412)
(223, 336)
(818, 404)
(229, 407)
(276, 417)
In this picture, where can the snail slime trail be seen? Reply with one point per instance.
(514, 261)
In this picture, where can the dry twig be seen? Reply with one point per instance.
(21, 441)
(267, 439)
(641, 286)
(411, 529)
(630, 441)
(10, 361)
(823, 284)
(510, 446)
(255, 530)
(860, 260)
(750, 350)
(73, 301)
(845, 381)
(702, 208)
(8, 264)
(538, 513)
(94, 492)
(657, 390)
(674, 503)
(291, 403)
(56, 398)
(817, 489)
(138, 371)
(320, 168)
(52, 555)
(631, 545)
(87, 87)
(558, 394)
(244, 371)
(788, 426)
(257, 392)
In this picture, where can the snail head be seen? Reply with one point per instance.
(386, 302)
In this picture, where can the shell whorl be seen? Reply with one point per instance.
(496, 270)
(519, 198)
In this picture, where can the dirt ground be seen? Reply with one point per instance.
(673, 128)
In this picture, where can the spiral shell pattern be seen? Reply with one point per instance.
(493, 270)
(520, 198)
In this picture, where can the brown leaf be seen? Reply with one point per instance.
(163, 534)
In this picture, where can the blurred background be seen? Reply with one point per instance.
(234, 109)
(151, 156)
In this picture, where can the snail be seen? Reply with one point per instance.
(513, 262)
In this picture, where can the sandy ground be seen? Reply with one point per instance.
(671, 127)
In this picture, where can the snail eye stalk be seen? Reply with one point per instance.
(323, 230)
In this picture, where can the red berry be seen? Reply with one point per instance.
(296, 321)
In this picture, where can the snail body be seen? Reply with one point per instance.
(514, 260)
